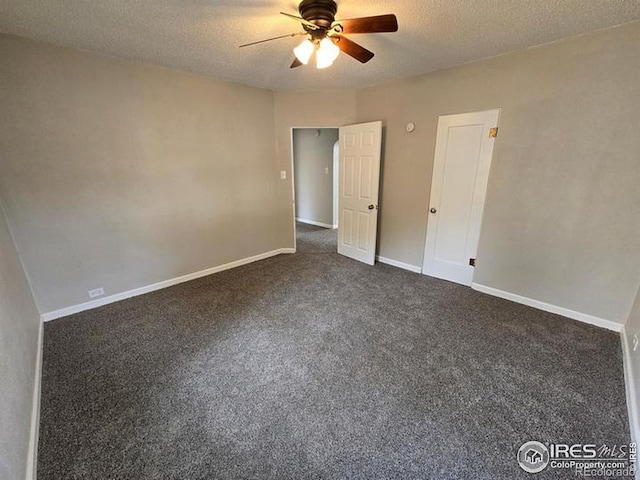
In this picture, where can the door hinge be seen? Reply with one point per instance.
(493, 132)
(472, 262)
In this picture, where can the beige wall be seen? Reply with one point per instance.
(19, 328)
(632, 329)
(120, 175)
(313, 172)
(330, 108)
(561, 222)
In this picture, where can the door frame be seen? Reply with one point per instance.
(484, 200)
(336, 182)
(293, 175)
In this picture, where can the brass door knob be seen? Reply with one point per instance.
(371, 207)
(433, 210)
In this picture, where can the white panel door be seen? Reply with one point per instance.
(359, 179)
(464, 147)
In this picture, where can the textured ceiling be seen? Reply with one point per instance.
(203, 35)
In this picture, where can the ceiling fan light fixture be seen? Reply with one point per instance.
(326, 39)
(304, 51)
(327, 53)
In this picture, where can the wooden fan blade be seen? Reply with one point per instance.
(306, 23)
(354, 50)
(296, 63)
(273, 38)
(377, 24)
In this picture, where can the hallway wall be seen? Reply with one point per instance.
(313, 171)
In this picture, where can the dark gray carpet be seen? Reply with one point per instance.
(313, 366)
(311, 239)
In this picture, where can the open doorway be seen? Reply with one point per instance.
(315, 153)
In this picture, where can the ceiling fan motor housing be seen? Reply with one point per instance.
(320, 12)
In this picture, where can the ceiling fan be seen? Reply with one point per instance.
(326, 36)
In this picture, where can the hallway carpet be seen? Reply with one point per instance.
(314, 366)
(311, 239)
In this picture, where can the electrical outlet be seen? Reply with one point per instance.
(96, 292)
(326, 170)
(636, 341)
(283, 174)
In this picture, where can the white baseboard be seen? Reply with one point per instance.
(317, 224)
(630, 384)
(63, 312)
(32, 459)
(396, 263)
(547, 307)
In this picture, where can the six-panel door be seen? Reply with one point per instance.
(359, 179)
